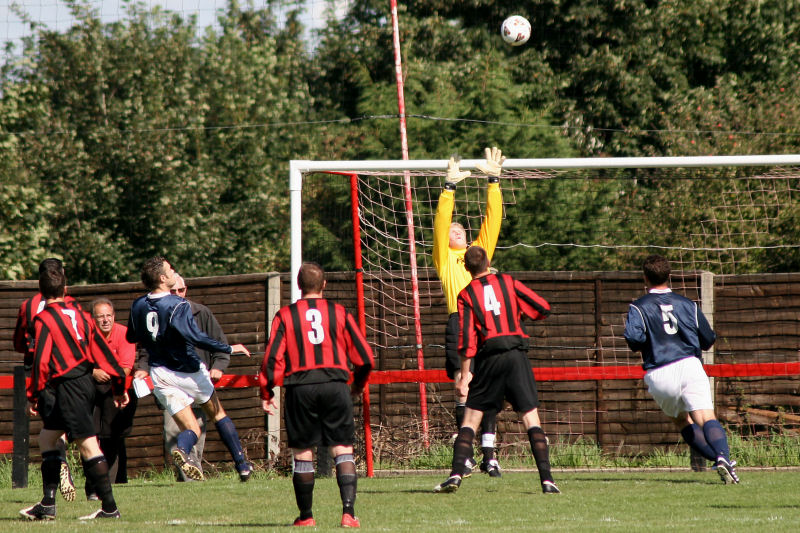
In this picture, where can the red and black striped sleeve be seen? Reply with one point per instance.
(467, 319)
(272, 369)
(531, 304)
(359, 351)
(40, 372)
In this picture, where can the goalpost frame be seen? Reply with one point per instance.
(351, 168)
(299, 167)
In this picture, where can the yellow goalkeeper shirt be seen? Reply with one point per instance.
(449, 263)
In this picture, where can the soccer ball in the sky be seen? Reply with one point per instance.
(516, 30)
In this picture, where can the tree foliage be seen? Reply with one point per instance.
(150, 135)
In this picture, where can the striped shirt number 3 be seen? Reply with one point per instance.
(490, 301)
(317, 334)
(670, 322)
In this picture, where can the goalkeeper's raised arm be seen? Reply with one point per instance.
(449, 247)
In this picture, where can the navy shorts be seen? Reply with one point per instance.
(73, 410)
(500, 377)
(319, 414)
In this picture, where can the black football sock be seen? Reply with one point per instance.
(694, 437)
(303, 482)
(96, 470)
(488, 432)
(51, 475)
(462, 450)
(88, 487)
(459, 414)
(347, 480)
(541, 452)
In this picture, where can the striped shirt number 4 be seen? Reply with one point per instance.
(490, 301)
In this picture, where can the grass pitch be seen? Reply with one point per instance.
(766, 500)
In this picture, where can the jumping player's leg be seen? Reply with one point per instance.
(228, 434)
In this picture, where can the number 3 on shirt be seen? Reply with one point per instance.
(670, 322)
(317, 334)
(490, 301)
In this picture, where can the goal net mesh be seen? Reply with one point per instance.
(578, 238)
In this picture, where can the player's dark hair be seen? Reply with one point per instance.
(310, 277)
(52, 283)
(656, 269)
(476, 260)
(101, 301)
(51, 263)
(152, 270)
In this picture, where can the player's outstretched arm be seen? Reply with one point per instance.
(239, 348)
(493, 165)
(454, 174)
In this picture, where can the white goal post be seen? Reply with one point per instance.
(297, 168)
(562, 215)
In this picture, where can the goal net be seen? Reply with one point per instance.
(575, 231)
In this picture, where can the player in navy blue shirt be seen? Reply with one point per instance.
(163, 324)
(671, 333)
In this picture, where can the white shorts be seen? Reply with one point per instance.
(680, 387)
(178, 390)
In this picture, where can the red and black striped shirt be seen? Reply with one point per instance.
(67, 345)
(23, 332)
(312, 341)
(490, 309)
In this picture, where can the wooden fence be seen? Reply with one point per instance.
(755, 316)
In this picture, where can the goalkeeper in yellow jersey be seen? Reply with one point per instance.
(449, 246)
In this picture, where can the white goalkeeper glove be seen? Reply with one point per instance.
(454, 174)
(493, 165)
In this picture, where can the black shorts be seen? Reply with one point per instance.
(109, 420)
(452, 361)
(319, 414)
(74, 403)
(505, 376)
